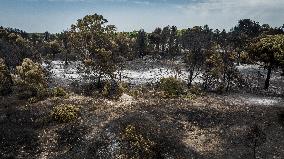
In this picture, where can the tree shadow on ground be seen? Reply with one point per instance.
(18, 135)
(150, 137)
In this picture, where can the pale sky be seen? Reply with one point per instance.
(127, 15)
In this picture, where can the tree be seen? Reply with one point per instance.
(196, 42)
(173, 42)
(243, 33)
(165, 39)
(46, 36)
(64, 40)
(94, 40)
(155, 38)
(270, 51)
(141, 43)
(13, 47)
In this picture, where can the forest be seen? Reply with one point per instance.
(94, 92)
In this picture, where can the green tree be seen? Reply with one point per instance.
(165, 35)
(94, 40)
(155, 38)
(141, 43)
(196, 42)
(243, 33)
(270, 51)
(173, 42)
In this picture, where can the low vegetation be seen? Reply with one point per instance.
(30, 81)
(59, 92)
(65, 113)
(172, 87)
(5, 79)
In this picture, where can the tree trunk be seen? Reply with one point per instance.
(66, 57)
(254, 149)
(190, 78)
(268, 77)
(239, 58)
(282, 74)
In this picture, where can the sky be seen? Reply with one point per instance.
(128, 15)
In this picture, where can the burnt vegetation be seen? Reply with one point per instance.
(108, 117)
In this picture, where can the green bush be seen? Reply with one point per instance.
(30, 80)
(112, 89)
(138, 142)
(65, 113)
(172, 87)
(58, 92)
(5, 79)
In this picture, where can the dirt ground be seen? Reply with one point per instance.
(207, 127)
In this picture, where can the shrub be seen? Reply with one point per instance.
(112, 89)
(171, 86)
(196, 90)
(138, 142)
(5, 79)
(30, 80)
(65, 113)
(190, 96)
(58, 92)
(135, 93)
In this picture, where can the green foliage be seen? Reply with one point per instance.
(125, 46)
(172, 87)
(112, 89)
(58, 92)
(141, 43)
(138, 142)
(65, 113)
(95, 42)
(5, 79)
(220, 72)
(30, 73)
(214, 67)
(30, 80)
(270, 51)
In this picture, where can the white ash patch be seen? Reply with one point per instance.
(249, 99)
